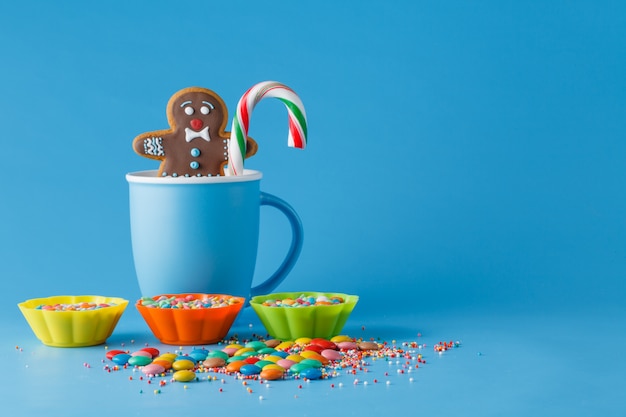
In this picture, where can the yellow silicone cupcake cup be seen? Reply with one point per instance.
(73, 328)
(290, 323)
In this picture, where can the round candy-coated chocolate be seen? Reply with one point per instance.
(284, 345)
(285, 363)
(256, 345)
(235, 366)
(302, 341)
(198, 356)
(331, 354)
(181, 364)
(139, 360)
(249, 369)
(246, 351)
(368, 346)
(326, 344)
(230, 351)
(262, 363)
(271, 374)
(311, 373)
(309, 354)
(184, 375)
(252, 359)
(153, 369)
(340, 338)
(217, 354)
(168, 356)
(272, 366)
(162, 362)
(214, 362)
(113, 352)
(296, 368)
(154, 352)
(347, 345)
(272, 343)
(295, 357)
(313, 363)
(315, 348)
(121, 358)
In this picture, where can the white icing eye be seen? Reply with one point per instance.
(188, 110)
(205, 110)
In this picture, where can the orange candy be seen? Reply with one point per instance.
(271, 374)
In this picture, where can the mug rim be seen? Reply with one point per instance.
(150, 177)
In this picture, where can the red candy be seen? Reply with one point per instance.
(113, 352)
(314, 348)
(325, 344)
(152, 351)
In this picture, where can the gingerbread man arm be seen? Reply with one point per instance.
(251, 147)
(151, 144)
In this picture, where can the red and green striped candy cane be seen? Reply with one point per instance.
(239, 131)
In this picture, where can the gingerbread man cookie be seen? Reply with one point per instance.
(196, 144)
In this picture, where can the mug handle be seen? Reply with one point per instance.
(294, 250)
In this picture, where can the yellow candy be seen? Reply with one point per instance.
(341, 338)
(243, 350)
(294, 358)
(303, 341)
(272, 358)
(168, 357)
(234, 345)
(284, 345)
(184, 375)
(183, 364)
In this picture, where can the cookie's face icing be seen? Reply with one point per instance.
(199, 114)
(196, 143)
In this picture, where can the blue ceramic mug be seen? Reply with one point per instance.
(200, 234)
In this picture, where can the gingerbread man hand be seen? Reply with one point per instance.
(196, 144)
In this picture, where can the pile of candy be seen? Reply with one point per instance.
(301, 359)
(74, 307)
(304, 301)
(189, 302)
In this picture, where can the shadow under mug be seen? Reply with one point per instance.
(200, 234)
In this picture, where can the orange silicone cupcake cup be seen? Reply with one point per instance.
(191, 327)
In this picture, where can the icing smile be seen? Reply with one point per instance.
(191, 134)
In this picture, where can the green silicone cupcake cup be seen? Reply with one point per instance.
(289, 323)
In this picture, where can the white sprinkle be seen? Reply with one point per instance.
(410, 379)
(388, 382)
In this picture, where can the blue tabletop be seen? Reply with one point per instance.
(504, 364)
(464, 175)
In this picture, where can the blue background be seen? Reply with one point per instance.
(464, 176)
